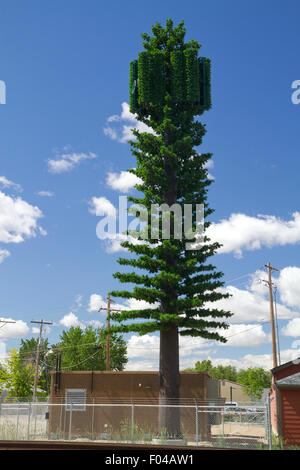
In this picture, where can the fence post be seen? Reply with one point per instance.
(132, 422)
(17, 425)
(28, 423)
(223, 422)
(65, 420)
(268, 423)
(60, 417)
(70, 422)
(93, 418)
(35, 416)
(197, 425)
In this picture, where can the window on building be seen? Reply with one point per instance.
(75, 399)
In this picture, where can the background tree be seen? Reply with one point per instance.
(27, 353)
(78, 348)
(253, 379)
(216, 372)
(80, 351)
(16, 378)
(166, 88)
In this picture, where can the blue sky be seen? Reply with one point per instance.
(63, 133)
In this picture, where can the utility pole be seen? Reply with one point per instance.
(269, 282)
(276, 323)
(109, 310)
(41, 323)
(109, 301)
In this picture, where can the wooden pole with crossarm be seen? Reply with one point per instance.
(41, 323)
(109, 310)
(269, 282)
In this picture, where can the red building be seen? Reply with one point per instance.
(285, 402)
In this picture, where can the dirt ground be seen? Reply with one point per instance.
(239, 429)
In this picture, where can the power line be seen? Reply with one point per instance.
(134, 347)
(5, 322)
(81, 362)
(243, 275)
(248, 329)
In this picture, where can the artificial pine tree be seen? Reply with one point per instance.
(169, 86)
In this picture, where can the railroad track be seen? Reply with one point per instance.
(92, 446)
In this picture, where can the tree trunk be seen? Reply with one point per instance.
(169, 377)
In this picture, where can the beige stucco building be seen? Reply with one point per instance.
(233, 392)
(95, 403)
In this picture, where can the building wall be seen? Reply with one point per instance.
(212, 388)
(128, 384)
(287, 371)
(123, 388)
(237, 392)
(285, 406)
(290, 405)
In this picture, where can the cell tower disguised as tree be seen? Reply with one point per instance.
(169, 86)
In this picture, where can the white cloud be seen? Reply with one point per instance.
(35, 330)
(292, 328)
(110, 132)
(42, 231)
(101, 206)
(70, 320)
(134, 304)
(96, 323)
(209, 165)
(249, 306)
(236, 234)
(257, 284)
(78, 300)
(143, 352)
(126, 115)
(245, 335)
(146, 347)
(6, 183)
(67, 161)
(18, 219)
(123, 131)
(143, 365)
(3, 354)
(45, 193)
(46, 330)
(242, 232)
(4, 254)
(106, 230)
(122, 182)
(192, 346)
(13, 330)
(113, 242)
(96, 301)
(256, 360)
(289, 285)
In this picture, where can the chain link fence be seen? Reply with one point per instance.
(242, 426)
